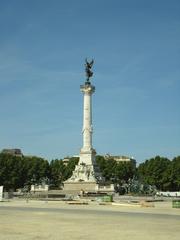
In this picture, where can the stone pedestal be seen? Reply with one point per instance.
(76, 187)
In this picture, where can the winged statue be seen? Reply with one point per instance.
(88, 66)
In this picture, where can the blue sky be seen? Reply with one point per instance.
(136, 47)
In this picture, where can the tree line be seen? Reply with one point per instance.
(19, 172)
(22, 172)
(161, 172)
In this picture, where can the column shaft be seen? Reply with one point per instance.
(87, 122)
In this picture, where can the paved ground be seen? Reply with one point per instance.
(38, 220)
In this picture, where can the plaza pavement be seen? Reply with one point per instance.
(55, 220)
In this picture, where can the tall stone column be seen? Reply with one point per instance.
(86, 174)
(87, 154)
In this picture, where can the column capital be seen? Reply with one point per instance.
(87, 88)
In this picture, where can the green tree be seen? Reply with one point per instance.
(70, 167)
(154, 172)
(124, 171)
(61, 172)
(174, 174)
(11, 168)
(15, 172)
(36, 169)
(57, 170)
(114, 171)
(107, 167)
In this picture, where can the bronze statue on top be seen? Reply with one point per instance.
(88, 66)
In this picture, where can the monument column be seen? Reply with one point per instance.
(87, 89)
(87, 152)
(86, 174)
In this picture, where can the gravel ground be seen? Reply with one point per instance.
(33, 220)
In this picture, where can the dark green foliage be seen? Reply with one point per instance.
(16, 172)
(176, 172)
(57, 172)
(124, 171)
(61, 172)
(19, 172)
(11, 169)
(161, 172)
(173, 174)
(115, 172)
(107, 167)
(36, 169)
